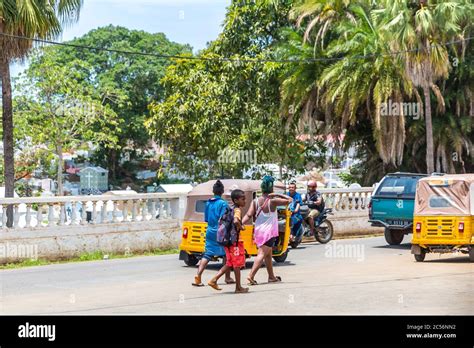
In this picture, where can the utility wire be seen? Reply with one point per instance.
(223, 59)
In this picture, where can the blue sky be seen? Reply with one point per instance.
(195, 22)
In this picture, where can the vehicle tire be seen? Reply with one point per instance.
(471, 254)
(328, 233)
(191, 261)
(420, 257)
(281, 258)
(394, 237)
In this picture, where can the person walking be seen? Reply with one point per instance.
(264, 209)
(235, 253)
(215, 208)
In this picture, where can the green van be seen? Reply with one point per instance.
(392, 205)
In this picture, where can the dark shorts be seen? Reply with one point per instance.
(271, 242)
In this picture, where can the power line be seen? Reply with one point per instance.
(224, 59)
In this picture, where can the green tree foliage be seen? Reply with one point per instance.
(211, 106)
(58, 111)
(421, 29)
(127, 83)
(348, 93)
(32, 19)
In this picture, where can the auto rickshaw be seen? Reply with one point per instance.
(443, 216)
(194, 228)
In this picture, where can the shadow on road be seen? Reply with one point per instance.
(404, 246)
(216, 266)
(458, 259)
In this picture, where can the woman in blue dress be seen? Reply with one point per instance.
(215, 208)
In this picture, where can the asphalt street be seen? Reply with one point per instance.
(350, 276)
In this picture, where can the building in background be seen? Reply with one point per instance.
(94, 180)
(174, 188)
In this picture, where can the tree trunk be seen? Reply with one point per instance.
(60, 170)
(112, 162)
(7, 119)
(429, 132)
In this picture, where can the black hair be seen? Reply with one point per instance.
(236, 194)
(218, 188)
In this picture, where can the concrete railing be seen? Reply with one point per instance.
(63, 227)
(350, 210)
(42, 212)
(47, 212)
(347, 199)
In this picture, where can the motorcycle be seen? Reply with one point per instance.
(324, 229)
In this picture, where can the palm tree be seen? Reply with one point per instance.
(421, 29)
(36, 19)
(299, 87)
(322, 15)
(357, 87)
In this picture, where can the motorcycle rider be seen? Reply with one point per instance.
(315, 203)
(296, 217)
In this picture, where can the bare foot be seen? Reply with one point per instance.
(241, 290)
(230, 281)
(213, 284)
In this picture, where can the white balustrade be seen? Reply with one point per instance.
(52, 212)
(345, 199)
(55, 212)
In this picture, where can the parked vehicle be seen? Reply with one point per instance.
(194, 228)
(444, 216)
(323, 227)
(392, 205)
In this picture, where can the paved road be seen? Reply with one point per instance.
(352, 276)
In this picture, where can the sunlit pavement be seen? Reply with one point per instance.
(351, 276)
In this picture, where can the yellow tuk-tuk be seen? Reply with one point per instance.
(194, 228)
(443, 217)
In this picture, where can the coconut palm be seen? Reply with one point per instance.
(452, 131)
(357, 86)
(421, 29)
(36, 19)
(299, 88)
(322, 15)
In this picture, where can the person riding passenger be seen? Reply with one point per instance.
(315, 202)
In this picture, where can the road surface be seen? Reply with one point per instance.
(351, 276)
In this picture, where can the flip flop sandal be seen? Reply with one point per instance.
(278, 279)
(196, 279)
(214, 286)
(251, 281)
(230, 282)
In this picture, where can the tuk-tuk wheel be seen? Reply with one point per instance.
(191, 261)
(281, 258)
(471, 254)
(294, 245)
(421, 256)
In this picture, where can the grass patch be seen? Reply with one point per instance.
(93, 256)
